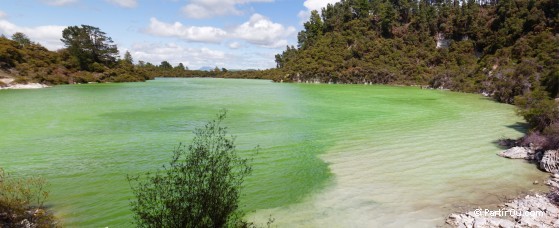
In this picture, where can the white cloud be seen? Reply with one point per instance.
(189, 33)
(124, 3)
(3, 15)
(234, 45)
(313, 5)
(195, 58)
(48, 35)
(209, 8)
(318, 4)
(59, 2)
(261, 31)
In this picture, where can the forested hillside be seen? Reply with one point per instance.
(503, 48)
(89, 56)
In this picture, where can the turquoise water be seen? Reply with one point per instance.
(331, 155)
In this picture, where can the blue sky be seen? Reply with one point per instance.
(235, 34)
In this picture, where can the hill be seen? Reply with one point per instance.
(502, 48)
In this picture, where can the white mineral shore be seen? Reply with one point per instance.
(529, 211)
(10, 85)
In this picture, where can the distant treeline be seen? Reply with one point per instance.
(89, 56)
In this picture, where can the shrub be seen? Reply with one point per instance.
(200, 187)
(97, 67)
(552, 134)
(538, 109)
(535, 140)
(55, 79)
(22, 199)
(83, 77)
(20, 80)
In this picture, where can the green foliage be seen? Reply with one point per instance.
(502, 48)
(128, 58)
(22, 39)
(19, 196)
(552, 82)
(200, 187)
(85, 77)
(538, 109)
(89, 57)
(10, 54)
(313, 30)
(89, 45)
(165, 65)
(180, 67)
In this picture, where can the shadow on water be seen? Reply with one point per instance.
(506, 143)
(520, 127)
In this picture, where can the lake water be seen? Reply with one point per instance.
(331, 155)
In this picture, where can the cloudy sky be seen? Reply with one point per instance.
(235, 34)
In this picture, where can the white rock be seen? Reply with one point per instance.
(25, 86)
(535, 203)
(516, 153)
(550, 161)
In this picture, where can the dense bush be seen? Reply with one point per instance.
(200, 187)
(542, 113)
(538, 109)
(502, 48)
(21, 200)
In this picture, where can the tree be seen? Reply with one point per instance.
(313, 30)
(89, 45)
(180, 67)
(128, 58)
(21, 39)
(10, 54)
(165, 65)
(200, 187)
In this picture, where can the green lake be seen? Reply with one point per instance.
(331, 155)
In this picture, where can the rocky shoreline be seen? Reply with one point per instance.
(31, 218)
(539, 210)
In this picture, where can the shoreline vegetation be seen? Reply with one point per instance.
(507, 50)
(22, 202)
